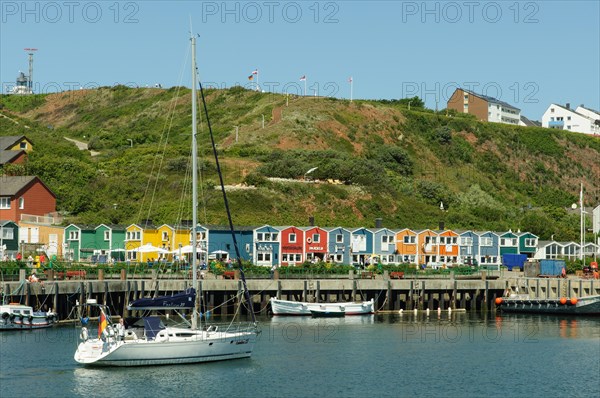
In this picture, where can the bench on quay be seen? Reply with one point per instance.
(80, 274)
(229, 275)
(366, 275)
(397, 275)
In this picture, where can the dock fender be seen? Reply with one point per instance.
(5, 315)
(30, 318)
(84, 334)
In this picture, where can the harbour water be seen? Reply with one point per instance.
(456, 355)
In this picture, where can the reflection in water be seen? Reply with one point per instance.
(305, 356)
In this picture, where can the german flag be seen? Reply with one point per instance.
(101, 324)
(251, 77)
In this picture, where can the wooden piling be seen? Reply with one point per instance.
(318, 294)
(454, 291)
(55, 299)
(409, 301)
(28, 294)
(305, 291)
(105, 297)
(390, 303)
(82, 297)
(126, 298)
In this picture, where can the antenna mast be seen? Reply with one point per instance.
(31, 51)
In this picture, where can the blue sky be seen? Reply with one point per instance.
(527, 53)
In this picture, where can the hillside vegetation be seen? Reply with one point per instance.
(374, 159)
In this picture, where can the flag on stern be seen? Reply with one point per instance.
(101, 324)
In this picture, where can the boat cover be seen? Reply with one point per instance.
(179, 300)
(152, 326)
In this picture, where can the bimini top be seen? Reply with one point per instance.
(175, 301)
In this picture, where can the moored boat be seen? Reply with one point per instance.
(146, 340)
(15, 316)
(589, 305)
(286, 307)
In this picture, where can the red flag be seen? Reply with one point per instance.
(255, 72)
(303, 78)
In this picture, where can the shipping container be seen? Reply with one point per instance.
(514, 260)
(552, 267)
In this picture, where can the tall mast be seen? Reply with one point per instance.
(194, 186)
(582, 223)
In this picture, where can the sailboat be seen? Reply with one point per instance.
(147, 341)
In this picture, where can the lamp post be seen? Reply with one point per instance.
(409, 104)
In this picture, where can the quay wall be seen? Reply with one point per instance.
(222, 296)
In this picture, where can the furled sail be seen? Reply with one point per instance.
(175, 301)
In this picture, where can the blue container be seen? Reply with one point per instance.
(514, 260)
(551, 267)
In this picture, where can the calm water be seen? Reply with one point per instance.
(384, 355)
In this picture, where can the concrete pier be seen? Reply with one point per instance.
(221, 296)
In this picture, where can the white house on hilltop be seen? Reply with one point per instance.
(581, 120)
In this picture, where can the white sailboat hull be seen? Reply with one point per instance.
(285, 307)
(199, 346)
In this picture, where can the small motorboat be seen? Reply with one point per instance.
(18, 316)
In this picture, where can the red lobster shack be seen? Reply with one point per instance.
(292, 245)
(315, 243)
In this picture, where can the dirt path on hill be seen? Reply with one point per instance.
(276, 115)
(82, 146)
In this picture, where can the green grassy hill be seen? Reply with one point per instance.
(394, 164)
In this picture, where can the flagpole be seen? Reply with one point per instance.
(305, 86)
(257, 85)
(351, 83)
